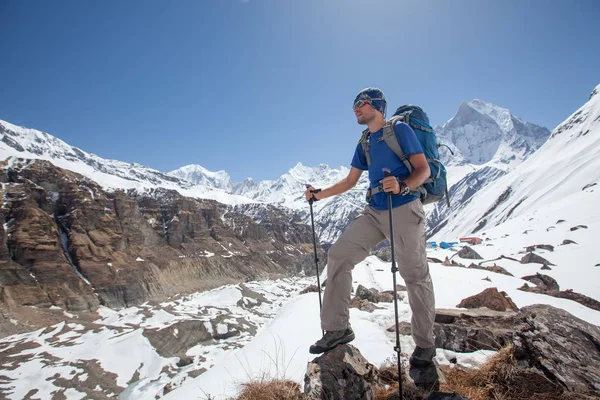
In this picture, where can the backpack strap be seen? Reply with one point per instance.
(391, 140)
(366, 145)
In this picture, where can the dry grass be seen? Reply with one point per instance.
(500, 379)
(273, 390)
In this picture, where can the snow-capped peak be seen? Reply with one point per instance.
(481, 132)
(199, 175)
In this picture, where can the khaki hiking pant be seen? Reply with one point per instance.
(354, 245)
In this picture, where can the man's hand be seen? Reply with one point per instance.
(390, 184)
(312, 193)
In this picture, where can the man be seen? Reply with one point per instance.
(372, 227)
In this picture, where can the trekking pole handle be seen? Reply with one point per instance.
(387, 172)
(312, 199)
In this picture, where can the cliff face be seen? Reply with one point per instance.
(67, 242)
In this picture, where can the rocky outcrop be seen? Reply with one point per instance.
(340, 374)
(542, 281)
(564, 294)
(67, 242)
(469, 254)
(532, 258)
(548, 340)
(490, 298)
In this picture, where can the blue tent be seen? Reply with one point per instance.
(447, 245)
(432, 244)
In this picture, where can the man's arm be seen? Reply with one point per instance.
(342, 186)
(419, 175)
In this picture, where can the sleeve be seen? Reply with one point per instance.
(359, 160)
(407, 139)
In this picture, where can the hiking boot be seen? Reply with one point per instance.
(331, 339)
(421, 357)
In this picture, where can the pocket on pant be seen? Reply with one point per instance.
(417, 211)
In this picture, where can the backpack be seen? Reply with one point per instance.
(435, 187)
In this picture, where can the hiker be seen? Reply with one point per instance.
(372, 226)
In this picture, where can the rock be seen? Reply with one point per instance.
(449, 315)
(490, 298)
(547, 340)
(340, 374)
(451, 263)
(542, 281)
(384, 297)
(403, 328)
(363, 305)
(486, 279)
(568, 241)
(540, 246)
(384, 253)
(578, 227)
(184, 360)
(309, 289)
(63, 231)
(363, 293)
(565, 294)
(469, 254)
(434, 260)
(597, 265)
(532, 258)
(560, 221)
(493, 268)
(545, 267)
(176, 339)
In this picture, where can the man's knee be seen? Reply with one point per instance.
(345, 251)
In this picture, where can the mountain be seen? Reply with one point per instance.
(488, 142)
(27, 143)
(566, 169)
(201, 176)
(481, 132)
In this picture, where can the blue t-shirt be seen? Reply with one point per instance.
(383, 157)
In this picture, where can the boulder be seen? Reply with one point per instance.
(490, 298)
(469, 254)
(547, 340)
(532, 258)
(340, 374)
(548, 247)
(371, 295)
(542, 281)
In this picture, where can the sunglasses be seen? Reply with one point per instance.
(362, 102)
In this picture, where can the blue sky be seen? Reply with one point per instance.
(253, 87)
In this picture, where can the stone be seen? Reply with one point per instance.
(542, 281)
(568, 241)
(384, 297)
(547, 341)
(565, 294)
(532, 258)
(340, 374)
(492, 268)
(363, 305)
(548, 247)
(363, 293)
(578, 227)
(469, 254)
(490, 298)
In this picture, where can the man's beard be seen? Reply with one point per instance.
(362, 120)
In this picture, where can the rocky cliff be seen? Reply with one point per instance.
(67, 242)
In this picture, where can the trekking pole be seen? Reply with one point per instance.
(312, 222)
(387, 172)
